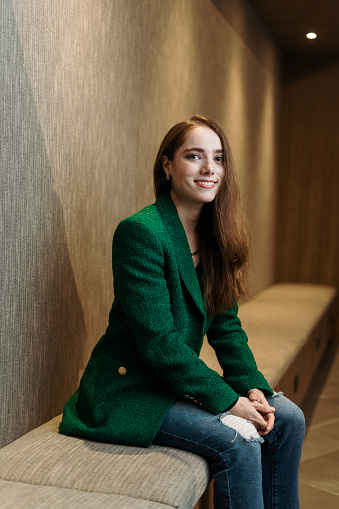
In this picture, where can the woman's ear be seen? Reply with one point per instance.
(166, 164)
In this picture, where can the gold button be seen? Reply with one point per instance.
(122, 370)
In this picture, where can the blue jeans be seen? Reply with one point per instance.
(248, 473)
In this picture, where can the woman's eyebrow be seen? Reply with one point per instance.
(197, 149)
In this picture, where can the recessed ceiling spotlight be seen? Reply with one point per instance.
(311, 35)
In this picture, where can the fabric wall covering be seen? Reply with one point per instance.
(88, 89)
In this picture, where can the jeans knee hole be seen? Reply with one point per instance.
(242, 427)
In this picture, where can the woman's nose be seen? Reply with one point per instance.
(208, 167)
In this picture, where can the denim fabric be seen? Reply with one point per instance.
(248, 473)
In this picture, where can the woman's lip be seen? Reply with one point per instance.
(206, 183)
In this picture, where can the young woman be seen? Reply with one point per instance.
(179, 269)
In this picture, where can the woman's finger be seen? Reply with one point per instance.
(270, 418)
(261, 407)
(257, 395)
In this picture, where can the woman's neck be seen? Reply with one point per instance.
(189, 215)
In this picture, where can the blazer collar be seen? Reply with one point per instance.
(181, 248)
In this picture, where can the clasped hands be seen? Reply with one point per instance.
(256, 409)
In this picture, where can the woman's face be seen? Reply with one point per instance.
(197, 169)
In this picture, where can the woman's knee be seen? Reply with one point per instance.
(242, 449)
(288, 414)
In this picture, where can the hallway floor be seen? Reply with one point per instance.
(319, 472)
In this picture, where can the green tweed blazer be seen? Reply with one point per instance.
(149, 355)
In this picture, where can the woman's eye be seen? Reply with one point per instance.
(220, 159)
(193, 157)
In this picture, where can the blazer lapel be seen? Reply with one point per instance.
(181, 248)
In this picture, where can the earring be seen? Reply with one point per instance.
(168, 177)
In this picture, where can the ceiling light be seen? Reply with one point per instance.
(311, 35)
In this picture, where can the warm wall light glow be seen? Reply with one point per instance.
(311, 35)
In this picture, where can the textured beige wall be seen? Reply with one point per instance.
(89, 90)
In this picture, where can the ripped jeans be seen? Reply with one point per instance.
(248, 472)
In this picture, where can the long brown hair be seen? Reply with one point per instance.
(222, 229)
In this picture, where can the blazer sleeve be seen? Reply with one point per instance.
(230, 343)
(141, 287)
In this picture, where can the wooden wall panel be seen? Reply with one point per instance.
(308, 182)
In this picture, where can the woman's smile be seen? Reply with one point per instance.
(208, 184)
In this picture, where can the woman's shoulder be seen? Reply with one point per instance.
(144, 226)
(147, 217)
(152, 216)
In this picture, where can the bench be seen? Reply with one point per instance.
(289, 326)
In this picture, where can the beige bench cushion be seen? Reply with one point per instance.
(15, 495)
(158, 474)
(278, 322)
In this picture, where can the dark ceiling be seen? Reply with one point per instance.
(288, 21)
